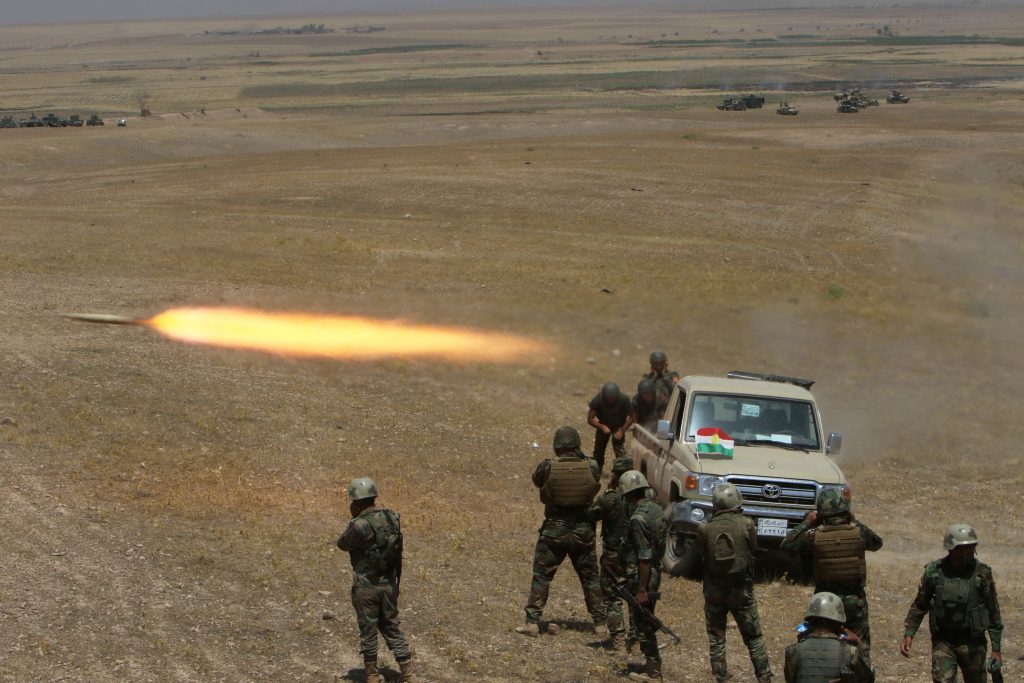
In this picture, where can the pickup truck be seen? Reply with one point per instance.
(761, 432)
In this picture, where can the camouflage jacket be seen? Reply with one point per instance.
(805, 664)
(610, 510)
(663, 386)
(365, 538)
(965, 623)
(565, 514)
(647, 536)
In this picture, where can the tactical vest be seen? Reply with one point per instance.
(380, 560)
(821, 660)
(570, 483)
(839, 555)
(957, 606)
(727, 552)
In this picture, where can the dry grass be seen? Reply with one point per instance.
(173, 508)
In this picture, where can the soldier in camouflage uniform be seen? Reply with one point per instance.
(610, 413)
(567, 530)
(610, 510)
(645, 405)
(373, 540)
(663, 378)
(726, 545)
(959, 595)
(643, 551)
(825, 654)
(837, 542)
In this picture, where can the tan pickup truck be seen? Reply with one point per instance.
(763, 433)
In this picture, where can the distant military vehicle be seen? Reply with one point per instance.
(32, 121)
(753, 100)
(94, 120)
(51, 120)
(896, 97)
(8, 122)
(121, 123)
(732, 104)
(75, 120)
(786, 109)
(847, 107)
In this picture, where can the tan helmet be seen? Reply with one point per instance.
(726, 497)
(959, 534)
(632, 481)
(622, 464)
(362, 488)
(826, 606)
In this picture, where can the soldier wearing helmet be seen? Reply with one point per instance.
(958, 594)
(373, 540)
(726, 545)
(567, 486)
(610, 510)
(645, 405)
(663, 378)
(827, 652)
(610, 414)
(836, 542)
(642, 553)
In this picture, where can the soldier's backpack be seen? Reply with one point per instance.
(389, 544)
(570, 483)
(723, 553)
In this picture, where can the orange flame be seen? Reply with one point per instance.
(339, 337)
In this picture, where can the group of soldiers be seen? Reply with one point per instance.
(833, 643)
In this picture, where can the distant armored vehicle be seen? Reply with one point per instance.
(847, 107)
(786, 109)
(732, 104)
(32, 121)
(896, 97)
(75, 120)
(51, 120)
(753, 100)
(94, 120)
(8, 122)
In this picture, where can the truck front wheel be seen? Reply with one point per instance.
(680, 559)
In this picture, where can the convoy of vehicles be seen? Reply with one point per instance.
(53, 120)
(762, 433)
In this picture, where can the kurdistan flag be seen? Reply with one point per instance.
(712, 440)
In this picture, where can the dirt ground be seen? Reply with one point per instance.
(170, 511)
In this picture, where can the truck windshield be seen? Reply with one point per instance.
(755, 418)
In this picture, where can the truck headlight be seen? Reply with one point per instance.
(697, 515)
(706, 483)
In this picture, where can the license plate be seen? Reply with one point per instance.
(771, 527)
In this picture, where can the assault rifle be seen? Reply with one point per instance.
(621, 591)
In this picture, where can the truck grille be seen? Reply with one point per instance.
(753, 490)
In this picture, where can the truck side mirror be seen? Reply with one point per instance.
(665, 430)
(835, 443)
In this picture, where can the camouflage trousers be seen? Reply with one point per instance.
(613, 573)
(377, 610)
(601, 445)
(557, 541)
(646, 632)
(947, 658)
(735, 597)
(856, 605)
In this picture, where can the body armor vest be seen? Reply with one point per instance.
(957, 606)
(839, 555)
(380, 561)
(570, 483)
(728, 546)
(821, 660)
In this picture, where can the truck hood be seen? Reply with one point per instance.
(769, 461)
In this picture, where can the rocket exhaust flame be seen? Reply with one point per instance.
(327, 336)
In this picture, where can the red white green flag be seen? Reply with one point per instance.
(714, 441)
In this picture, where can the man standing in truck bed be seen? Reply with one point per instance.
(837, 543)
(567, 487)
(663, 378)
(610, 414)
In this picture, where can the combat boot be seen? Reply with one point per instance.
(529, 629)
(720, 670)
(372, 674)
(652, 672)
(601, 630)
(408, 672)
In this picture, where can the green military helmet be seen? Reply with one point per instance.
(632, 480)
(610, 392)
(826, 606)
(622, 464)
(362, 488)
(959, 534)
(646, 386)
(832, 502)
(567, 437)
(726, 497)
(659, 357)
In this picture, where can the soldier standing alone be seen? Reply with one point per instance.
(373, 540)
(824, 655)
(727, 544)
(644, 550)
(567, 487)
(959, 595)
(837, 542)
(610, 414)
(610, 510)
